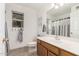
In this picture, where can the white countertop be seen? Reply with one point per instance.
(63, 43)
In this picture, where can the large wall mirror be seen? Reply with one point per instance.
(63, 21)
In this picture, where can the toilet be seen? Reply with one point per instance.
(32, 46)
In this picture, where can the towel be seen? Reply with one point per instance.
(20, 35)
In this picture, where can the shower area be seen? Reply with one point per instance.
(60, 27)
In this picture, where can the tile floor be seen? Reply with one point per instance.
(25, 51)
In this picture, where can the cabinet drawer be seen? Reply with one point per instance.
(51, 48)
(51, 54)
(65, 53)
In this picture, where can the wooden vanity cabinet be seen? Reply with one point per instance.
(66, 53)
(50, 47)
(38, 41)
(51, 54)
(41, 50)
(46, 49)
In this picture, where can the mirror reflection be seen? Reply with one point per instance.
(63, 20)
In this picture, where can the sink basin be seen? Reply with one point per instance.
(55, 40)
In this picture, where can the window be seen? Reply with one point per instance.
(17, 19)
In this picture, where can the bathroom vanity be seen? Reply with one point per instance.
(49, 46)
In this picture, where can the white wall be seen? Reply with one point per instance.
(74, 22)
(30, 25)
(2, 29)
(2, 20)
(43, 15)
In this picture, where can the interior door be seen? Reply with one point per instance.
(2, 48)
(2, 30)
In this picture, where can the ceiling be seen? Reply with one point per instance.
(66, 8)
(36, 6)
(54, 12)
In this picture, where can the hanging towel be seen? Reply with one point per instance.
(20, 35)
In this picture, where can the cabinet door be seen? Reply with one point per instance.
(50, 47)
(41, 51)
(51, 54)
